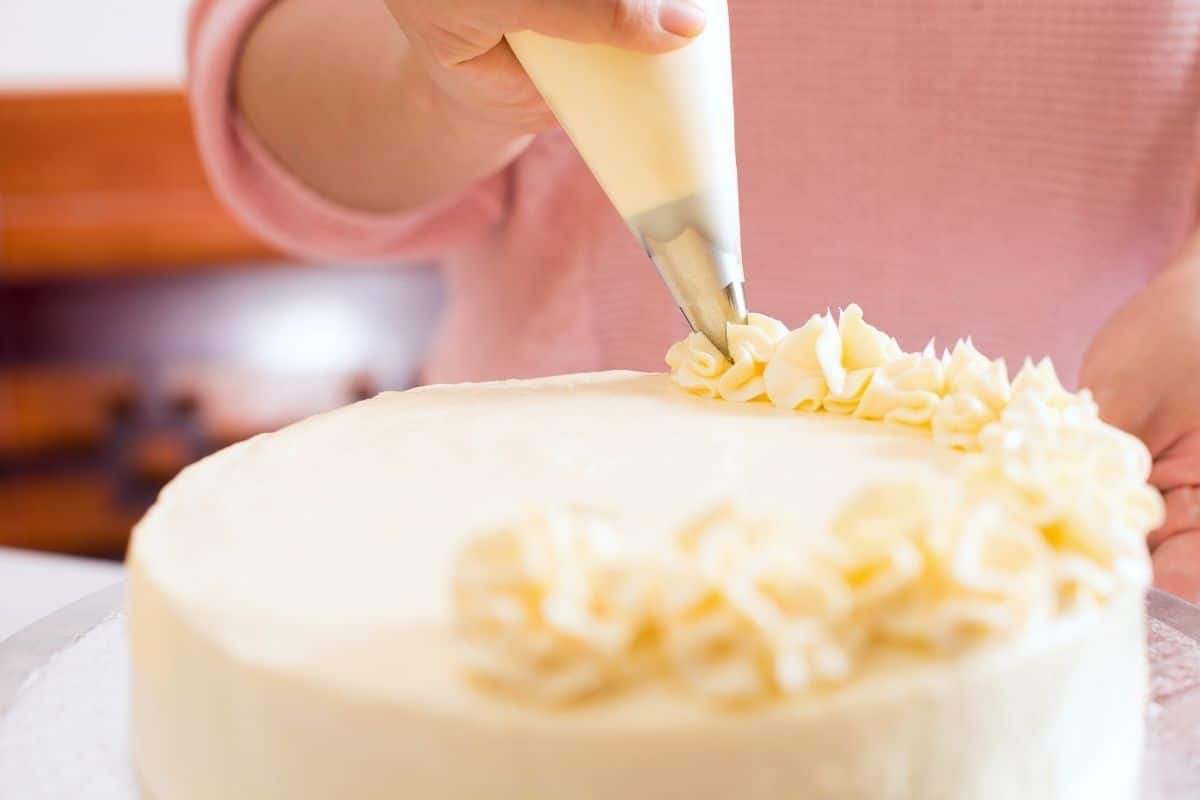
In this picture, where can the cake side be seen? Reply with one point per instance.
(1057, 716)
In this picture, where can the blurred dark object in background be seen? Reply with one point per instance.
(109, 386)
(141, 328)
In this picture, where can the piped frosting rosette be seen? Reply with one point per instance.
(551, 607)
(1043, 516)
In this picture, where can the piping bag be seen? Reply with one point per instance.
(657, 131)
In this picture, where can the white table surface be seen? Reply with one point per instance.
(33, 585)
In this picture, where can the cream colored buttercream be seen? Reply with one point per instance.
(1046, 514)
(294, 601)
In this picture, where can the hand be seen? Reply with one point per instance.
(1144, 368)
(461, 43)
(387, 117)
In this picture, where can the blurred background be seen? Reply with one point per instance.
(140, 326)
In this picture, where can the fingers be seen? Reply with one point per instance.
(1179, 463)
(1177, 566)
(650, 26)
(1173, 473)
(1177, 475)
(455, 33)
(1183, 514)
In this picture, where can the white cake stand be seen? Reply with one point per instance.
(64, 700)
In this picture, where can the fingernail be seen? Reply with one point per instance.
(681, 17)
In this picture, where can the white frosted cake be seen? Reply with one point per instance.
(830, 569)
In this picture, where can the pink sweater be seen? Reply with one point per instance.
(1008, 169)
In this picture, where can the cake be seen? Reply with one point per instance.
(825, 568)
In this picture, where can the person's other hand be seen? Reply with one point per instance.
(1176, 545)
(1144, 368)
(461, 43)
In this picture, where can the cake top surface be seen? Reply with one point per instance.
(351, 521)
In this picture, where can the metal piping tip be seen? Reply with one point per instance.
(705, 281)
(713, 318)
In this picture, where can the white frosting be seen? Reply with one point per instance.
(906, 390)
(976, 391)
(697, 365)
(1045, 513)
(751, 345)
(292, 618)
(744, 613)
(549, 608)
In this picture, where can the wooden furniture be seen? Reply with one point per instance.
(71, 513)
(46, 410)
(107, 183)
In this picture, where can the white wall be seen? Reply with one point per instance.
(50, 44)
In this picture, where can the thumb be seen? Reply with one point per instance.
(648, 26)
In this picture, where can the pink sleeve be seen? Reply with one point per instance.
(276, 205)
